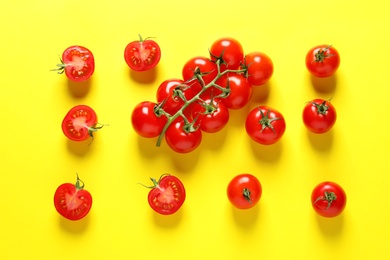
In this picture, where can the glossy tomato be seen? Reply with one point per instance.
(319, 116)
(265, 125)
(72, 201)
(240, 90)
(143, 54)
(167, 194)
(211, 115)
(77, 62)
(322, 60)
(328, 199)
(259, 68)
(146, 120)
(183, 138)
(229, 51)
(80, 123)
(244, 191)
(198, 71)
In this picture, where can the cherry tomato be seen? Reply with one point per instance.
(240, 90)
(319, 116)
(143, 54)
(211, 115)
(259, 68)
(244, 191)
(197, 67)
(72, 201)
(328, 199)
(182, 138)
(322, 60)
(167, 194)
(172, 95)
(229, 51)
(265, 125)
(80, 123)
(146, 120)
(77, 62)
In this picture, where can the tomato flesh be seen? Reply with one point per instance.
(142, 55)
(79, 63)
(78, 122)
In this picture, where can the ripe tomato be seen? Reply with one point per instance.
(328, 199)
(322, 60)
(80, 123)
(77, 62)
(229, 51)
(171, 95)
(259, 68)
(143, 54)
(240, 90)
(182, 138)
(146, 121)
(265, 125)
(72, 201)
(319, 116)
(211, 115)
(199, 67)
(167, 194)
(244, 191)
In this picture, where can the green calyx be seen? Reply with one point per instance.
(321, 55)
(329, 196)
(266, 121)
(247, 195)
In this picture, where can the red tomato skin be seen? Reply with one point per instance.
(321, 206)
(168, 197)
(325, 66)
(265, 136)
(236, 187)
(205, 65)
(145, 122)
(240, 90)
(142, 55)
(260, 68)
(79, 63)
(230, 50)
(77, 206)
(211, 122)
(317, 122)
(179, 140)
(77, 121)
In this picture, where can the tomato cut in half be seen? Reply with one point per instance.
(143, 54)
(72, 201)
(77, 62)
(167, 194)
(80, 123)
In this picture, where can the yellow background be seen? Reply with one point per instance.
(36, 157)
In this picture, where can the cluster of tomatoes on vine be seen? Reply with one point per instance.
(199, 101)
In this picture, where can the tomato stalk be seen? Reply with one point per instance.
(198, 76)
(79, 183)
(266, 122)
(329, 197)
(321, 55)
(247, 195)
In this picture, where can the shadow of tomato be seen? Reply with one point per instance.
(79, 89)
(324, 85)
(144, 77)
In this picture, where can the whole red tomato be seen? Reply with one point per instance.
(259, 68)
(77, 62)
(146, 121)
(322, 60)
(199, 68)
(319, 116)
(240, 90)
(244, 191)
(167, 194)
(143, 54)
(229, 51)
(265, 125)
(328, 199)
(72, 201)
(211, 115)
(80, 123)
(183, 138)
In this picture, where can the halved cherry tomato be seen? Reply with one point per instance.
(244, 191)
(80, 123)
(322, 60)
(77, 62)
(167, 194)
(328, 199)
(143, 54)
(72, 201)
